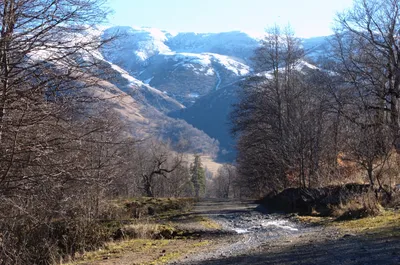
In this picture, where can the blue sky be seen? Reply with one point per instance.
(307, 17)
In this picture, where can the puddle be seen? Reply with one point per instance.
(280, 224)
(240, 230)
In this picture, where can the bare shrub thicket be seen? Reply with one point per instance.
(62, 151)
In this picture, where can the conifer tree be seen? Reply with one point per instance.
(198, 176)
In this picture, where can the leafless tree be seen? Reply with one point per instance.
(54, 151)
(225, 181)
(366, 51)
(155, 160)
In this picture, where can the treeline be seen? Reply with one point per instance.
(299, 125)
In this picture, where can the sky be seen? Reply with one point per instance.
(308, 18)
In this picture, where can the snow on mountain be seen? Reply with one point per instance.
(181, 65)
(206, 59)
(143, 92)
(237, 44)
(133, 46)
(192, 76)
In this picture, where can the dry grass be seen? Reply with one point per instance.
(358, 207)
(208, 223)
(386, 220)
(116, 249)
(385, 224)
(140, 251)
(150, 231)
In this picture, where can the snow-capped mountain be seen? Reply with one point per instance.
(184, 66)
(189, 76)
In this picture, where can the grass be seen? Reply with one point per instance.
(150, 251)
(386, 222)
(115, 249)
(150, 235)
(166, 258)
(156, 208)
(206, 222)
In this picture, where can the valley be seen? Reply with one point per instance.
(139, 145)
(195, 76)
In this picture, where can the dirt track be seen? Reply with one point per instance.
(257, 238)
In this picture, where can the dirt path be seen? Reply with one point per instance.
(258, 238)
(226, 232)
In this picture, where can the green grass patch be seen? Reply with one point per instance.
(385, 224)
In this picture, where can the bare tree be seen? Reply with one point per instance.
(155, 159)
(367, 46)
(225, 181)
(50, 153)
(366, 51)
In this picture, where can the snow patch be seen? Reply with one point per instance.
(302, 64)
(193, 95)
(148, 80)
(205, 60)
(210, 72)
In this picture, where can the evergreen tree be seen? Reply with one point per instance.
(198, 176)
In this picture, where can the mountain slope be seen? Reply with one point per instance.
(191, 76)
(184, 66)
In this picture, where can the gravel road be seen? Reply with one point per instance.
(245, 227)
(252, 237)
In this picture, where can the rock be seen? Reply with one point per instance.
(119, 234)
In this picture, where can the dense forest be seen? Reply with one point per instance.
(299, 123)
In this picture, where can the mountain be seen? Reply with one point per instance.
(145, 109)
(211, 114)
(142, 107)
(191, 77)
(185, 66)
